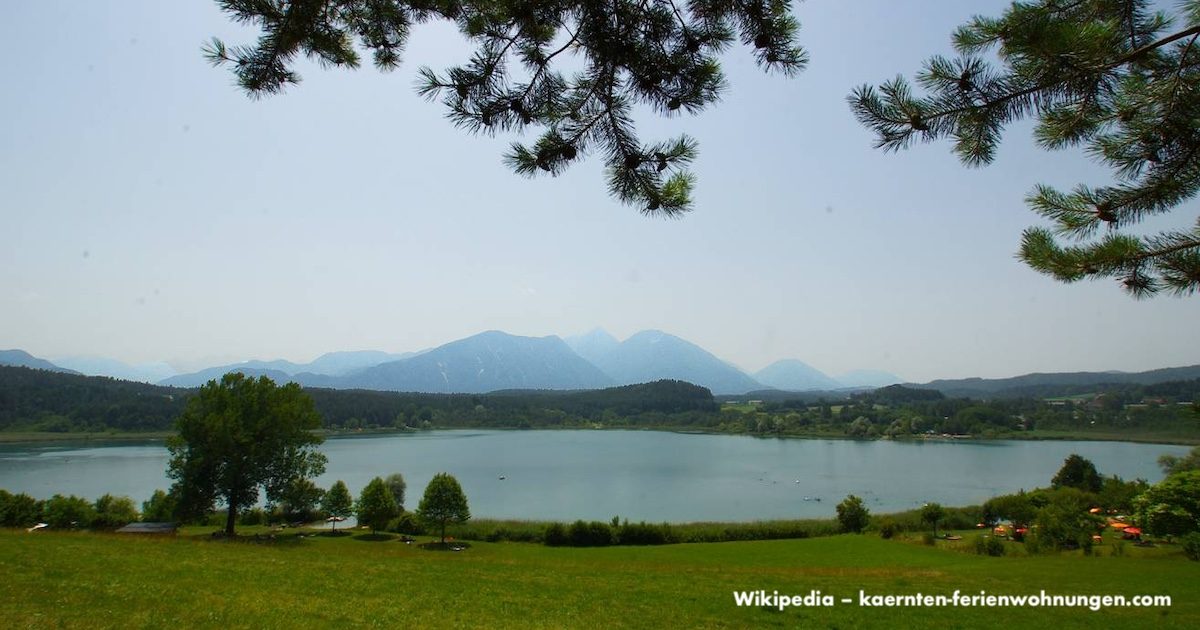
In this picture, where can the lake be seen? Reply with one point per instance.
(638, 475)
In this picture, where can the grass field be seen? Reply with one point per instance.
(109, 580)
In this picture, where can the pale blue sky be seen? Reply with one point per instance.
(151, 211)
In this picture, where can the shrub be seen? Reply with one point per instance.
(555, 535)
(989, 546)
(888, 528)
(19, 510)
(497, 535)
(253, 516)
(69, 512)
(852, 514)
(590, 534)
(1191, 546)
(1118, 549)
(113, 512)
(160, 508)
(928, 538)
(407, 523)
(1033, 544)
(644, 534)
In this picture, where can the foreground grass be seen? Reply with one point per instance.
(108, 580)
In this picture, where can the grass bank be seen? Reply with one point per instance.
(109, 580)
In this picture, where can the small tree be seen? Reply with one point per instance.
(1018, 508)
(113, 512)
(1078, 472)
(852, 515)
(444, 502)
(337, 502)
(300, 499)
(932, 513)
(1064, 522)
(159, 508)
(395, 483)
(376, 505)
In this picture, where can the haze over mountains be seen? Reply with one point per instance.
(20, 358)
(651, 355)
(496, 360)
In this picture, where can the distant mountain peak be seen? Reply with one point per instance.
(20, 358)
(795, 375)
(650, 355)
(488, 361)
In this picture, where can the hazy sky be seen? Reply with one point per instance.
(151, 211)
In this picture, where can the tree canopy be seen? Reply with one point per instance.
(660, 54)
(396, 485)
(932, 513)
(337, 502)
(443, 503)
(1172, 506)
(376, 505)
(238, 436)
(1077, 472)
(1171, 464)
(852, 514)
(1119, 78)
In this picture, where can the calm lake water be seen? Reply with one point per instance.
(648, 475)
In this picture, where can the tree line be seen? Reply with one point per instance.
(37, 400)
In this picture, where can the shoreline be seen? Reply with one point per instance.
(34, 437)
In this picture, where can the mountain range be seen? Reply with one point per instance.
(495, 360)
(20, 358)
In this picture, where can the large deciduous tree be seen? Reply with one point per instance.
(1121, 78)
(443, 503)
(239, 436)
(659, 54)
(1172, 506)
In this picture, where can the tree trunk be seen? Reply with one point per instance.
(230, 519)
(443, 532)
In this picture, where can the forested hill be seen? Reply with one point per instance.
(1055, 384)
(40, 400)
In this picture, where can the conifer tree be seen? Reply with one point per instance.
(662, 54)
(1117, 77)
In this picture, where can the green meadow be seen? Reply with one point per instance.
(191, 580)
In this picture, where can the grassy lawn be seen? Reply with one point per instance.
(83, 579)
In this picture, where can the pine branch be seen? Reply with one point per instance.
(1094, 72)
(651, 51)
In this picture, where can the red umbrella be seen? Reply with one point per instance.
(1133, 531)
